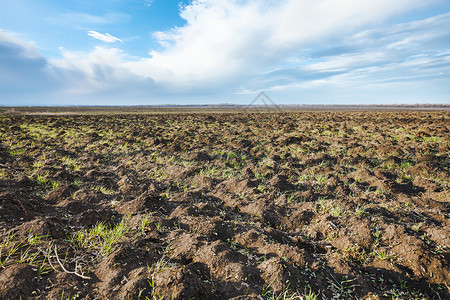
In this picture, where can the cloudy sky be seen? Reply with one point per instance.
(109, 52)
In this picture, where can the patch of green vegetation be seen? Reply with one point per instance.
(146, 222)
(71, 163)
(360, 211)
(342, 288)
(32, 251)
(330, 207)
(46, 182)
(433, 139)
(101, 238)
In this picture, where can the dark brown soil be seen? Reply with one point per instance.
(331, 205)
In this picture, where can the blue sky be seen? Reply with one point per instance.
(117, 52)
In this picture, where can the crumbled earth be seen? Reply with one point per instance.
(325, 205)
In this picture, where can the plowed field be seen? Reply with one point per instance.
(300, 205)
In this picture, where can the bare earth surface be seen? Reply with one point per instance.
(343, 205)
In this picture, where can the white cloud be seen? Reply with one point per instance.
(100, 71)
(223, 40)
(243, 45)
(107, 38)
(413, 51)
(27, 49)
(23, 69)
(25, 73)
